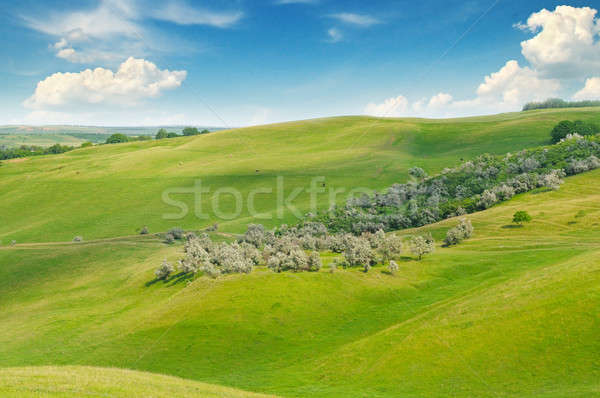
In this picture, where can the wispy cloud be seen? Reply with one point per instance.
(115, 29)
(183, 14)
(362, 20)
(296, 1)
(334, 35)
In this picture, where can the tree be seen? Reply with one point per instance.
(421, 245)
(164, 270)
(117, 138)
(417, 173)
(172, 135)
(520, 217)
(358, 252)
(561, 130)
(162, 133)
(390, 247)
(190, 131)
(205, 131)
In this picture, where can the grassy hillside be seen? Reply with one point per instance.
(511, 312)
(114, 190)
(70, 381)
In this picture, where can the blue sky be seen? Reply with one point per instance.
(250, 62)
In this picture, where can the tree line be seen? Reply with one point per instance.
(553, 103)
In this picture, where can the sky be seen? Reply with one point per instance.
(241, 62)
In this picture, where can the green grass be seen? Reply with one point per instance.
(44, 140)
(511, 312)
(114, 190)
(70, 381)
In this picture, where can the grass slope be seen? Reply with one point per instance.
(70, 381)
(510, 313)
(113, 190)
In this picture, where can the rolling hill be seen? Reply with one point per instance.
(512, 312)
(114, 190)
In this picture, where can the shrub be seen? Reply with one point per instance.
(421, 245)
(144, 230)
(169, 238)
(255, 235)
(314, 261)
(462, 231)
(520, 217)
(164, 270)
(176, 232)
(78, 239)
(393, 267)
(417, 173)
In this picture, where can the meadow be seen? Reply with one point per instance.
(510, 312)
(114, 190)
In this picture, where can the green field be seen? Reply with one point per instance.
(512, 312)
(114, 190)
(45, 140)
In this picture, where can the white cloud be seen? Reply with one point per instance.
(591, 90)
(296, 1)
(335, 35)
(183, 14)
(355, 19)
(502, 91)
(134, 81)
(440, 100)
(391, 107)
(115, 29)
(514, 85)
(566, 44)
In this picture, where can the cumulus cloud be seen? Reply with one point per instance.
(514, 85)
(134, 81)
(391, 107)
(355, 19)
(505, 90)
(566, 43)
(591, 90)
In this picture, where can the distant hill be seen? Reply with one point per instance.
(128, 180)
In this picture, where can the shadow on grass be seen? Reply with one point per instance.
(172, 280)
(512, 226)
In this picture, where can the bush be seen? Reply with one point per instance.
(314, 262)
(117, 138)
(462, 231)
(176, 232)
(520, 217)
(255, 235)
(78, 239)
(164, 270)
(169, 239)
(393, 267)
(144, 230)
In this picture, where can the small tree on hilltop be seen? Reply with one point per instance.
(190, 131)
(520, 217)
(117, 138)
(162, 133)
(462, 231)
